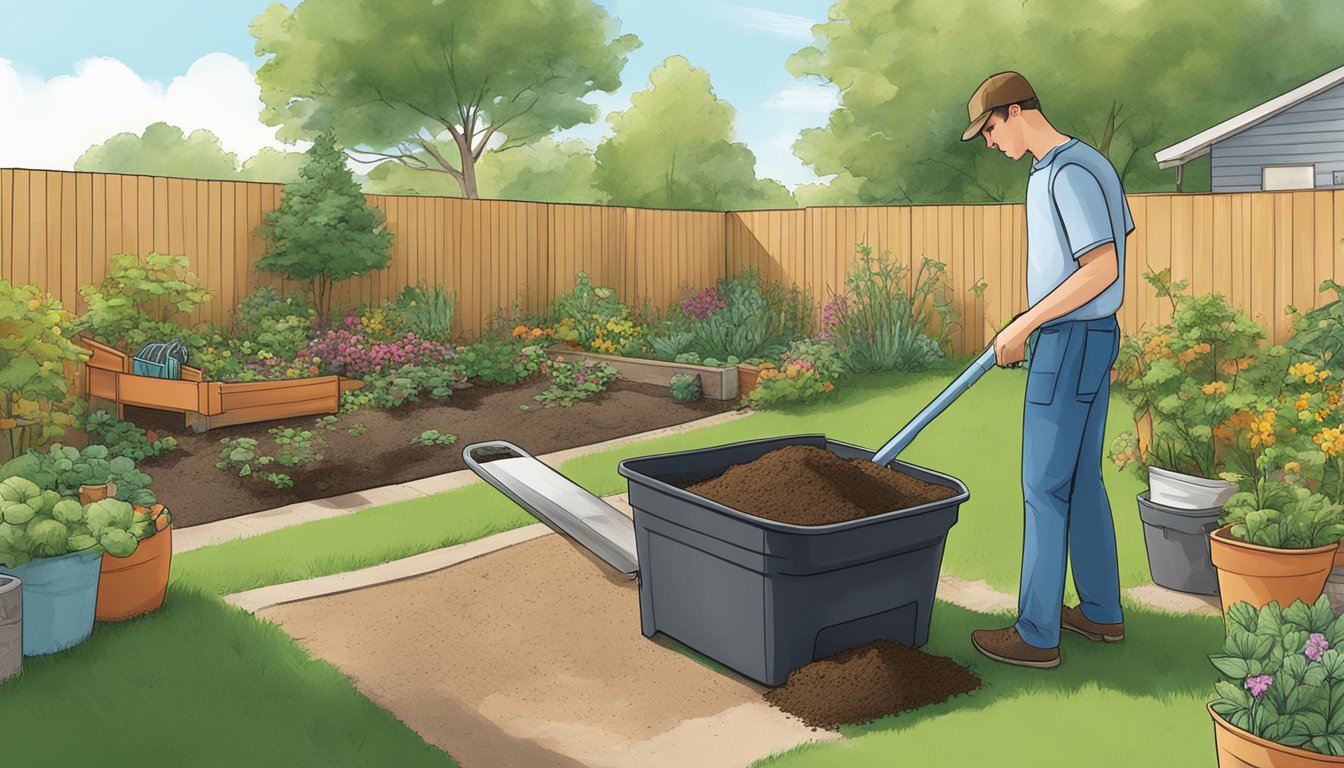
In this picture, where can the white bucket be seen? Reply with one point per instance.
(1175, 489)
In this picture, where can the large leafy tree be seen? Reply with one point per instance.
(548, 171)
(399, 76)
(324, 231)
(674, 148)
(1127, 76)
(163, 150)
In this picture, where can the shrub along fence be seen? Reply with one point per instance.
(1263, 250)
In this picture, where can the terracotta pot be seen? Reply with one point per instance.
(1261, 575)
(91, 493)
(747, 376)
(1239, 749)
(134, 585)
(1339, 554)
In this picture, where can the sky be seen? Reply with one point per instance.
(75, 72)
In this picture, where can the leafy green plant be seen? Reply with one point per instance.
(354, 399)
(574, 381)
(137, 301)
(280, 326)
(428, 314)
(36, 404)
(1284, 516)
(880, 325)
(686, 387)
(1319, 334)
(1282, 674)
(37, 523)
(434, 437)
(240, 454)
(578, 314)
(356, 430)
(122, 438)
(501, 362)
(327, 422)
(63, 469)
(279, 479)
(296, 446)
(324, 230)
(671, 345)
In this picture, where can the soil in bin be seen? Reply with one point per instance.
(865, 683)
(806, 485)
(187, 481)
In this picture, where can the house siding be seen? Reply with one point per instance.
(1311, 132)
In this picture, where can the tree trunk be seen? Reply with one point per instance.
(468, 182)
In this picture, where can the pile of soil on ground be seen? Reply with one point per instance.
(187, 481)
(868, 682)
(806, 485)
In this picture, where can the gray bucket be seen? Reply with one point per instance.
(11, 627)
(1178, 546)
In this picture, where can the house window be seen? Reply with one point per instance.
(1288, 177)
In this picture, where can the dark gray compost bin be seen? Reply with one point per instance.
(764, 598)
(1178, 546)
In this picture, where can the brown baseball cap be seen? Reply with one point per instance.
(997, 91)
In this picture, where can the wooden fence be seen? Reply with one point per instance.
(1264, 250)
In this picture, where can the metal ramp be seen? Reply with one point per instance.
(557, 501)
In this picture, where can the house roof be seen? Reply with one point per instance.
(1197, 145)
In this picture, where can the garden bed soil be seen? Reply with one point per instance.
(863, 684)
(187, 481)
(806, 485)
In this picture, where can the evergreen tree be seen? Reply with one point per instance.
(324, 231)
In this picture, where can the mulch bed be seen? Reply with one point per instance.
(806, 485)
(869, 682)
(187, 481)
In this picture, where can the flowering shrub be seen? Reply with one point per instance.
(36, 400)
(879, 325)
(585, 316)
(571, 382)
(355, 350)
(1283, 675)
(704, 304)
(748, 326)
(1198, 377)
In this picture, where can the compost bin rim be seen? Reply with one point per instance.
(844, 525)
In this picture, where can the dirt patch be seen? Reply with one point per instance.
(189, 483)
(533, 656)
(806, 485)
(872, 681)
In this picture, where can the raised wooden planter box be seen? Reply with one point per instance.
(207, 404)
(718, 383)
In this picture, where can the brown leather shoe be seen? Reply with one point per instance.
(1007, 646)
(1073, 620)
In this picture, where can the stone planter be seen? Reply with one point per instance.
(718, 383)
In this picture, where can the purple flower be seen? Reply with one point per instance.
(1259, 684)
(1316, 646)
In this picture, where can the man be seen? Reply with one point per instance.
(1077, 221)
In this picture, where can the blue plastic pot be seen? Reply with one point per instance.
(59, 597)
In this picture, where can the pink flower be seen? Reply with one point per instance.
(1316, 646)
(1259, 684)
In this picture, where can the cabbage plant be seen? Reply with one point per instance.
(37, 523)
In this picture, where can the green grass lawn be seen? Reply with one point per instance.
(197, 683)
(253, 697)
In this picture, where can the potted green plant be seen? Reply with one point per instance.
(54, 546)
(1281, 694)
(1277, 544)
(89, 474)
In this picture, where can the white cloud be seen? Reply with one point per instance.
(817, 99)
(781, 24)
(50, 123)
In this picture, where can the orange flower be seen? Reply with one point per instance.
(1214, 388)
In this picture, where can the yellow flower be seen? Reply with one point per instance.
(1302, 369)
(1293, 467)
(1214, 388)
(827, 386)
(1302, 401)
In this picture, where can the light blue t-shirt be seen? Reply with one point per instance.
(1074, 204)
